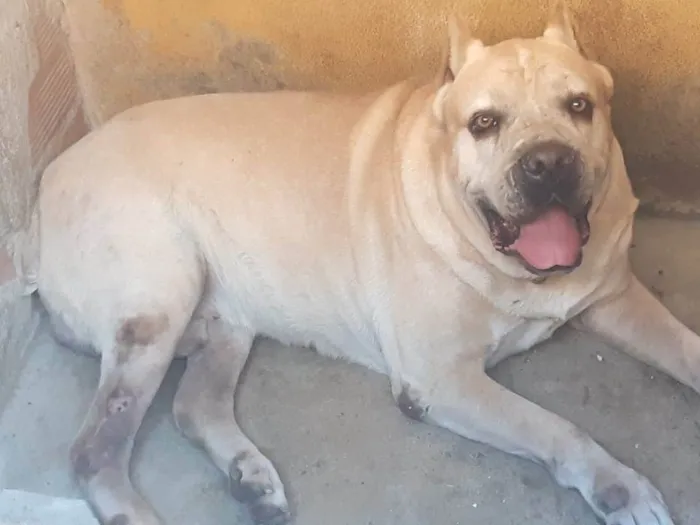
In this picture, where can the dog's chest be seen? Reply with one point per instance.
(522, 320)
(512, 335)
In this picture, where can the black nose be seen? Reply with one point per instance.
(549, 171)
(547, 160)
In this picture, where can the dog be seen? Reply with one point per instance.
(426, 231)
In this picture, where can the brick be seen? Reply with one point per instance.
(7, 267)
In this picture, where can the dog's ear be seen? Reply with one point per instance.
(462, 47)
(561, 26)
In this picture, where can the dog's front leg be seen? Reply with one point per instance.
(639, 324)
(465, 400)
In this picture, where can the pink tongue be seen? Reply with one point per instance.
(552, 240)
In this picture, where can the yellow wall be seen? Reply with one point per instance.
(135, 50)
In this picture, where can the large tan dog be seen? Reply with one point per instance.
(427, 231)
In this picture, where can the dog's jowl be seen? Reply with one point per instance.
(426, 231)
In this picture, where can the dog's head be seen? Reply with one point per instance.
(529, 133)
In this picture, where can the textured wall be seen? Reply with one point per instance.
(19, 64)
(135, 50)
(131, 51)
(41, 114)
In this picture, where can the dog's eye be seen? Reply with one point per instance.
(482, 123)
(580, 106)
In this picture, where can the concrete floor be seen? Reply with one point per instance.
(349, 457)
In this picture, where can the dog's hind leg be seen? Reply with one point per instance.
(204, 412)
(131, 374)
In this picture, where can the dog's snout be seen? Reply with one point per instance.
(547, 159)
(549, 171)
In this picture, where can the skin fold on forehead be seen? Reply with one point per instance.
(524, 70)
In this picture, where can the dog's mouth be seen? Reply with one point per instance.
(550, 242)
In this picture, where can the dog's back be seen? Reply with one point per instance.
(178, 197)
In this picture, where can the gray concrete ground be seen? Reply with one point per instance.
(349, 457)
(18, 507)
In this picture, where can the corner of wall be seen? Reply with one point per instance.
(42, 115)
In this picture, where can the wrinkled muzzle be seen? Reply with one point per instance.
(547, 223)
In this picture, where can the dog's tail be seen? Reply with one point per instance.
(24, 247)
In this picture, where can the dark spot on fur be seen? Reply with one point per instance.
(81, 463)
(119, 519)
(267, 514)
(245, 492)
(119, 401)
(142, 330)
(410, 406)
(104, 444)
(612, 498)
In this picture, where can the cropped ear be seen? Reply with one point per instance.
(560, 27)
(462, 48)
(606, 80)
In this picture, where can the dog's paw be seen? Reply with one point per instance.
(628, 498)
(255, 482)
(269, 513)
